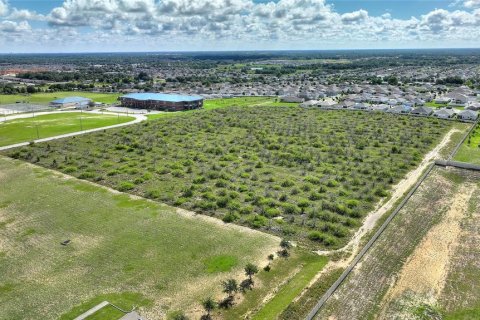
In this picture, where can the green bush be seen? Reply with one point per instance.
(125, 186)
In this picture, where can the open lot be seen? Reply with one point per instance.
(470, 150)
(49, 125)
(47, 97)
(308, 174)
(211, 104)
(425, 264)
(124, 250)
(245, 101)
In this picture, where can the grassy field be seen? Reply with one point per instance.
(287, 293)
(245, 102)
(470, 150)
(230, 102)
(127, 251)
(49, 125)
(307, 174)
(45, 98)
(425, 264)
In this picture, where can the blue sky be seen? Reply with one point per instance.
(151, 25)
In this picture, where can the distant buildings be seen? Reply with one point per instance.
(161, 101)
(68, 102)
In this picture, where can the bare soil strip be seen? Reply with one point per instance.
(425, 271)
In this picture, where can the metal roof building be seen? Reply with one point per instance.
(70, 102)
(161, 101)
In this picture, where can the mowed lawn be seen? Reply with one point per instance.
(245, 102)
(47, 97)
(229, 102)
(470, 150)
(127, 251)
(49, 125)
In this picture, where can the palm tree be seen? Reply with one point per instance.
(230, 287)
(209, 305)
(250, 270)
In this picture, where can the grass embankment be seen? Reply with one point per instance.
(470, 149)
(49, 125)
(287, 293)
(145, 252)
(47, 97)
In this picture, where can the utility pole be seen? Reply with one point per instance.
(36, 128)
(81, 124)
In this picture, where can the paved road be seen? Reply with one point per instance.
(138, 118)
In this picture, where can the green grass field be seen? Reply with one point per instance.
(293, 288)
(49, 125)
(225, 103)
(245, 102)
(470, 150)
(127, 251)
(45, 98)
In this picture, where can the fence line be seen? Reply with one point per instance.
(382, 228)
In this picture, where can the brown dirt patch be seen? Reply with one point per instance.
(425, 271)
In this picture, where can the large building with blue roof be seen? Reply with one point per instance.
(161, 101)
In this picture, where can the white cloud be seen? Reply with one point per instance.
(3, 8)
(240, 24)
(472, 4)
(24, 14)
(354, 17)
(8, 26)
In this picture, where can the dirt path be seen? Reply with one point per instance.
(425, 271)
(399, 190)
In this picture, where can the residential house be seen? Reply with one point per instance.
(468, 115)
(422, 111)
(400, 109)
(444, 113)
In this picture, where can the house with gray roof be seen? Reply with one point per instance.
(468, 115)
(422, 111)
(400, 109)
(444, 113)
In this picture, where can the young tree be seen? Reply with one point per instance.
(251, 270)
(285, 244)
(230, 287)
(208, 305)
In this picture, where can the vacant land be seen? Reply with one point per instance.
(425, 264)
(470, 150)
(245, 101)
(228, 102)
(49, 125)
(124, 250)
(45, 98)
(306, 174)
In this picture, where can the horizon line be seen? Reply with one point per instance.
(250, 50)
